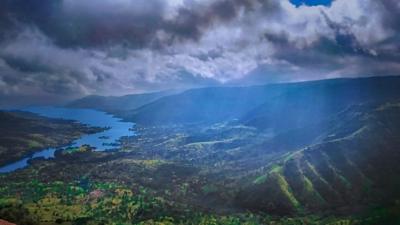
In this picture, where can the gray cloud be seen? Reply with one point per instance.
(131, 23)
(55, 50)
(86, 23)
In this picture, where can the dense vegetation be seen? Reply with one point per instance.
(289, 163)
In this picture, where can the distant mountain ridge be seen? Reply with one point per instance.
(308, 102)
(205, 105)
(262, 106)
(118, 103)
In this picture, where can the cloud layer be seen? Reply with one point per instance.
(52, 50)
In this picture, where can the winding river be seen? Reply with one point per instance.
(102, 141)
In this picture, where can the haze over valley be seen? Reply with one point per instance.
(217, 112)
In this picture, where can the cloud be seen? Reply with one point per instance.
(132, 23)
(331, 40)
(32, 65)
(64, 49)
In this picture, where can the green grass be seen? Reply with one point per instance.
(56, 202)
(286, 190)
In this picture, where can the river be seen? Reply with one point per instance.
(102, 141)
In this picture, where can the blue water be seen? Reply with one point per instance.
(90, 117)
(311, 2)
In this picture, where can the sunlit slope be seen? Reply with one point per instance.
(277, 106)
(310, 102)
(206, 105)
(356, 164)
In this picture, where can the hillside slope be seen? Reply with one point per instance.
(205, 105)
(276, 106)
(311, 102)
(356, 165)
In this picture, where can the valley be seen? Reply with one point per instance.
(297, 153)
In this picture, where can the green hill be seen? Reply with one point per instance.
(354, 166)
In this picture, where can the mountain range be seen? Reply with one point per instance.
(277, 106)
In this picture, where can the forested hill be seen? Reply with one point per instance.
(274, 106)
(354, 165)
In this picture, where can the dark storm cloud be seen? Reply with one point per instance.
(339, 46)
(59, 49)
(27, 66)
(344, 41)
(392, 13)
(322, 52)
(82, 25)
(192, 22)
(134, 24)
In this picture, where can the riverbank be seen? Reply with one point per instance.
(24, 134)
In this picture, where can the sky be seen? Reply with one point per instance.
(52, 51)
